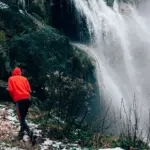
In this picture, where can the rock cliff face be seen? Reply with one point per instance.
(60, 14)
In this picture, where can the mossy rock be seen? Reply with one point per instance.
(15, 22)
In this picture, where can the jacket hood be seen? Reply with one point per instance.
(16, 71)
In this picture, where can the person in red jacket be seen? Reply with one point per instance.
(19, 89)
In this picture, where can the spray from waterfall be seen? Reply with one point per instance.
(120, 41)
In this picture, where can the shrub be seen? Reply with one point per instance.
(2, 36)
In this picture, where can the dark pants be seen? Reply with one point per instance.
(22, 107)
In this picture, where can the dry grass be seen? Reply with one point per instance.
(99, 140)
(8, 131)
(21, 144)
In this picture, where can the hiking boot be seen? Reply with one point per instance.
(20, 136)
(30, 134)
(32, 138)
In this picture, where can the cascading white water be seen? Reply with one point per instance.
(120, 43)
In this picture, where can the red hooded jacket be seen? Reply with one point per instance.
(18, 86)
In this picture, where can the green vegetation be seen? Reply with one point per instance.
(61, 76)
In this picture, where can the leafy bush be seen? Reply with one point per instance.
(69, 97)
(2, 36)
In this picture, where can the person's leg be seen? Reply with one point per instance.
(20, 112)
(29, 132)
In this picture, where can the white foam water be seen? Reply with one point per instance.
(120, 41)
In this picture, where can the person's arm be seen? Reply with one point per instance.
(28, 86)
(29, 90)
(10, 88)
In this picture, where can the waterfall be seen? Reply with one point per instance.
(120, 41)
(3, 5)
